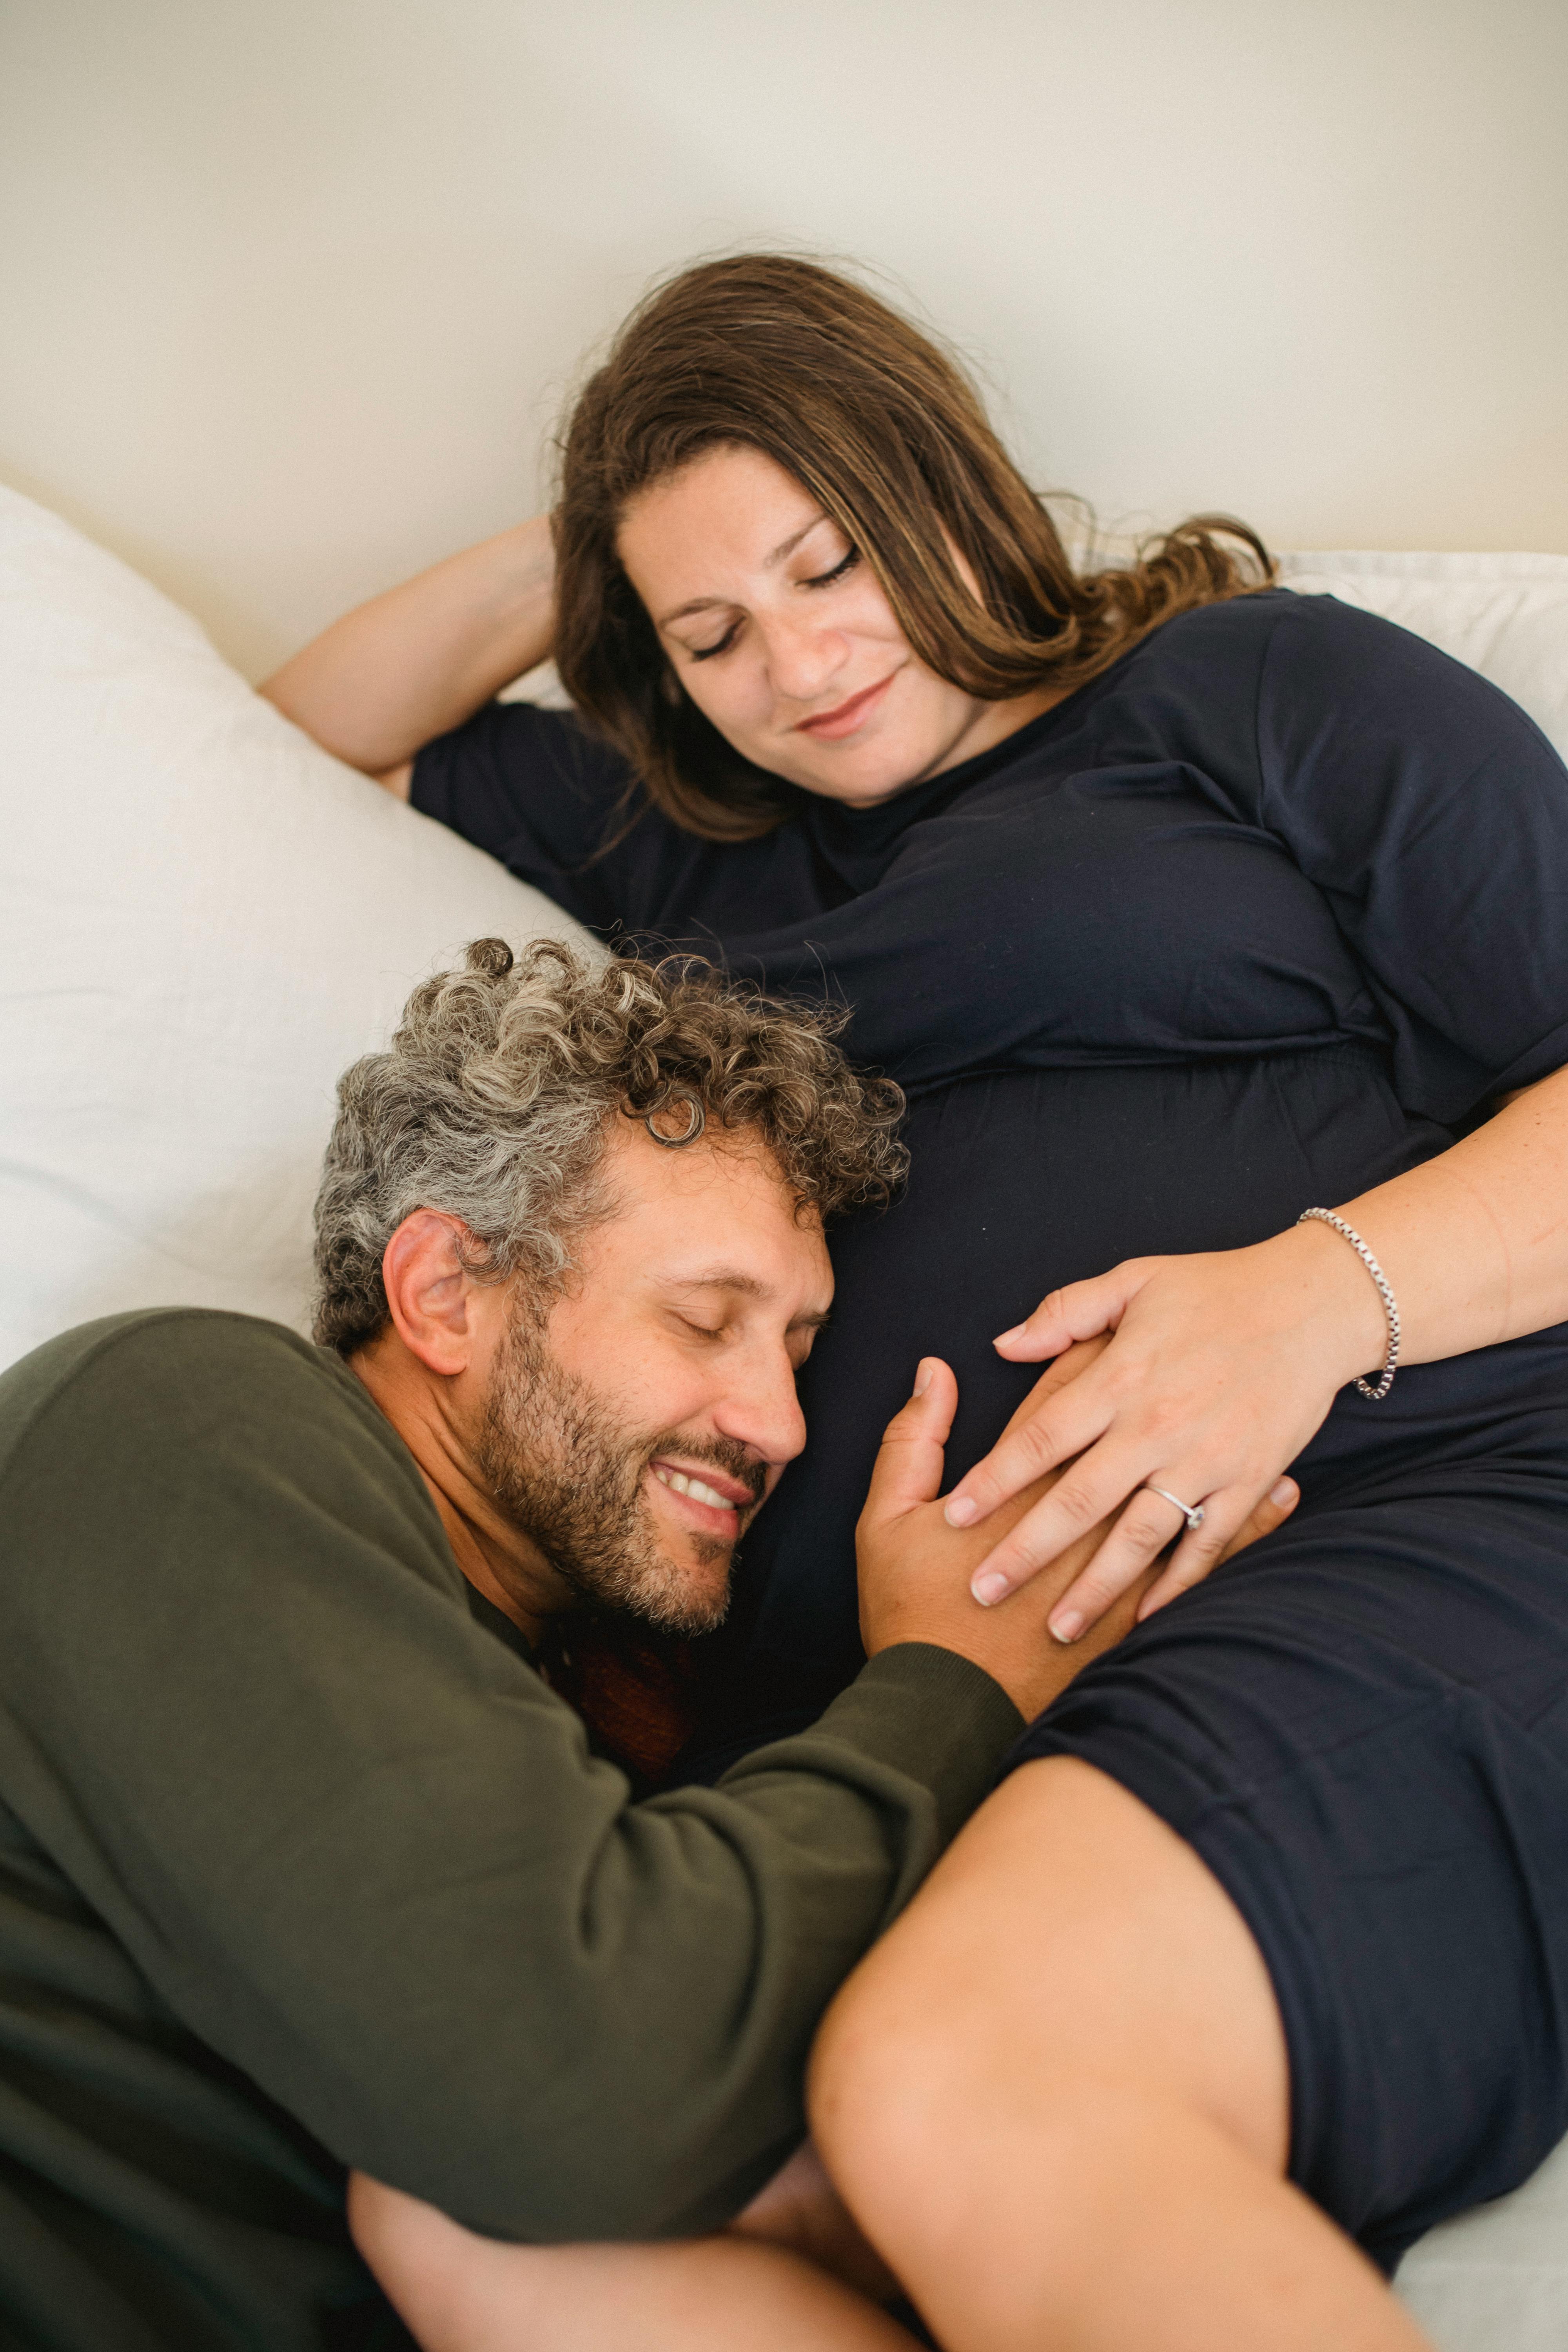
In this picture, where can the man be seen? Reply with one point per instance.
(302, 1864)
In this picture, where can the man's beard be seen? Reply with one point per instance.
(571, 1478)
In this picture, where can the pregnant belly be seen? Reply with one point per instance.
(1021, 1181)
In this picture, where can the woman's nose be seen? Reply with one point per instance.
(804, 657)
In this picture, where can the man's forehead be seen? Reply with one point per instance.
(714, 1215)
(730, 1174)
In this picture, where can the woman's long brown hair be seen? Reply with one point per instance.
(886, 430)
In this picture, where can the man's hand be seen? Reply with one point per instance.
(915, 1569)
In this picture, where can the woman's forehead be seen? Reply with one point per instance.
(731, 508)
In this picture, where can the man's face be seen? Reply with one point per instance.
(631, 1432)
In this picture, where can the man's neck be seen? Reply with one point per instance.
(498, 1560)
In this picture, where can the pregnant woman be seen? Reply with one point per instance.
(1181, 907)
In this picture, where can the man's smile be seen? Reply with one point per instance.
(705, 1500)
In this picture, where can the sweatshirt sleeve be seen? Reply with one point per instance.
(362, 1851)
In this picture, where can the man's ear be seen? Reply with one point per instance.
(428, 1290)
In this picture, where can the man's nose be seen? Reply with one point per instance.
(804, 657)
(761, 1410)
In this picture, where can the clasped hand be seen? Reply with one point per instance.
(917, 1572)
(1219, 1369)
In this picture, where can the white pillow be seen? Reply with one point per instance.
(203, 919)
(1507, 616)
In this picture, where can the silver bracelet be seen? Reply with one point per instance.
(1327, 1217)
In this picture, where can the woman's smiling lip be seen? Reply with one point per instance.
(829, 725)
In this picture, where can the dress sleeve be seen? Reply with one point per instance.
(1433, 815)
(539, 792)
(359, 1849)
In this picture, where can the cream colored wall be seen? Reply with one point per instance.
(289, 288)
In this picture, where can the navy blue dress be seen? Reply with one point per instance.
(1264, 916)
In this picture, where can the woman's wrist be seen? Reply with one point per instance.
(420, 659)
(533, 547)
(519, 587)
(1340, 1313)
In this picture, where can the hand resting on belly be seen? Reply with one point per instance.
(1221, 1366)
(916, 1570)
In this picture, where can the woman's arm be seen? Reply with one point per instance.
(1223, 1366)
(382, 681)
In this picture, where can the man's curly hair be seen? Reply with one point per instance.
(495, 1102)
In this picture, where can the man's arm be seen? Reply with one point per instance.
(362, 1851)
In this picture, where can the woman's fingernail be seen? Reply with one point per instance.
(1282, 1490)
(922, 1377)
(1003, 1337)
(960, 1512)
(1068, 1626)
(990, 1588)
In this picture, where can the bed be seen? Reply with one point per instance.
(205, 918)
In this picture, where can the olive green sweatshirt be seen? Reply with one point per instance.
(301, 1867)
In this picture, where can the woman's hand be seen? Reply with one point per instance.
(917, 1571)
(1219, 1369)
(387, 678)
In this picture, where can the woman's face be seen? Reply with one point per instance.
(783, 638)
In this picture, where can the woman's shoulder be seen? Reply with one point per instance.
(1246, 630)
(1288, 624)
(1387, 683)
(1213, 655)
(1316, 662)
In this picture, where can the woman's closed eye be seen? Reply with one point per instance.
(839, 571)
(706, 653)
(845, 563)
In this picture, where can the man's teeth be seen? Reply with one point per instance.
(698, 1489)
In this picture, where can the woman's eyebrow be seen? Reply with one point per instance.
(785, 547)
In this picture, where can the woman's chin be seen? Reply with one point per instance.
(898, 751)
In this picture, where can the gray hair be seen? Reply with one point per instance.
(494, 1100)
